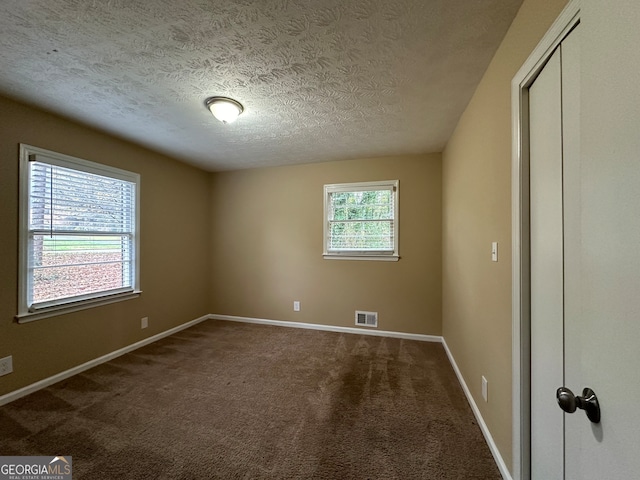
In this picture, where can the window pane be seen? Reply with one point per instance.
(361, 236)
(361, 220)
(62, 199)
(368, 205)
(69, 266)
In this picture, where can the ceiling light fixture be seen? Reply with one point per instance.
(224, 109)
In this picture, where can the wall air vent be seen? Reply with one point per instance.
(367, 319)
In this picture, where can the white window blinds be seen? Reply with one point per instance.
(81, 234)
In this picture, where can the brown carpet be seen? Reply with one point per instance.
(240, 401)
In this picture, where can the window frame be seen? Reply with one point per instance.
(27, 313)
(389, 256)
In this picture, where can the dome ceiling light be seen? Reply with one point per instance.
(224, 109)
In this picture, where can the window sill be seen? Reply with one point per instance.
(74, 307)
(379, 258)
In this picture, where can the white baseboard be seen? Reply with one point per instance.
(502, 466)
(16, 394)
(329, 328)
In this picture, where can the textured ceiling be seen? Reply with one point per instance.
(319, 79)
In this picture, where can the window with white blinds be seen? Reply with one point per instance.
(79, 237)
(361, 220)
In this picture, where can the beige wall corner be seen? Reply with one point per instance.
(174, 250)
(477, 212)
(267, 246)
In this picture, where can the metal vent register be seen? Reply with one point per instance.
(367, 319)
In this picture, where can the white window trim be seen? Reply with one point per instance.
(24, 313)
(386, 256)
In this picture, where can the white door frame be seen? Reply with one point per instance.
(521, 288)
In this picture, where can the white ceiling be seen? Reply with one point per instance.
(319, 79)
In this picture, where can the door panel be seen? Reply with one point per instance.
(547, 301)
(608, 327)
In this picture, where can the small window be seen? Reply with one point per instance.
(361, 221)
(78, 234)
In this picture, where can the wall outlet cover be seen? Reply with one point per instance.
(6, 365)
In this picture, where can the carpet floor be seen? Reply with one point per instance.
(226, 400)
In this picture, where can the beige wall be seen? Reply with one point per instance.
(267, 247)
(174, 250)
(477, 211)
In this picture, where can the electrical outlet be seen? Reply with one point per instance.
(485, 389)
(6, 365)
(296, 306)
(144, 322)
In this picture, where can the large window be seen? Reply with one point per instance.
(361, 221)
(78, 233)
